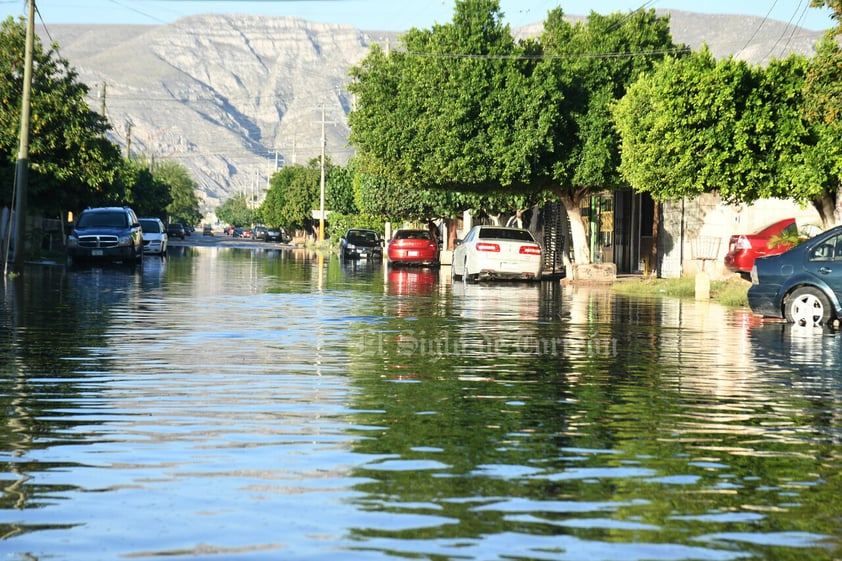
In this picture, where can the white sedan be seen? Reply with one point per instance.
(495, 252)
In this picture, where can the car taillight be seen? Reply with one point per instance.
(530, 250)
(484, 246)
(741, 242)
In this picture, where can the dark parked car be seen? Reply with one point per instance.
(176, 230)
(361, 243)
(274, 235)
(743, 249)
(803, 285)
(258, 233)
(106, 234)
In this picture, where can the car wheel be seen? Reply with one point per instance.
(808, 306)
(453, 275)
(467, 276)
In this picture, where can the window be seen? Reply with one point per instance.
(828, 250)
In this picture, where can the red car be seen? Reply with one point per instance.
(743, 249)
(413, 247)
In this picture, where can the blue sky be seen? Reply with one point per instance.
(394, 15)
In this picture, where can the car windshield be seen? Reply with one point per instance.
(103, 220)
(505, 234)
(412, 235)
(150, 226)
(360, 237)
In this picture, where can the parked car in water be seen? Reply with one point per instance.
(802, 285)
(361, 243)
(413, 247)
(496, 252)
(274, 235)
(743, 249)
(106, 234)
(259, 233)
(176, 230)
(154, 236)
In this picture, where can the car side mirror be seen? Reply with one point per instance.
(457, 242)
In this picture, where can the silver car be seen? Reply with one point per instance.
(154, 236)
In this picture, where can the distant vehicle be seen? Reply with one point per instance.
(258, 233)
(495, 252)
(207, 231)
(413, 247)
(804, 284)
(176, 230)
(274, 235)
(246, 233)
(154, 236)
(106, 234)
(360, 243)
(743, 249)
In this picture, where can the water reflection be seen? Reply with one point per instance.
(255, 404)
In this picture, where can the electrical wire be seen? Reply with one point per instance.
(759, 27)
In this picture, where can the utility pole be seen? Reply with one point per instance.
(322, 183)
(23, 151)
(102, 99)
(128, 141)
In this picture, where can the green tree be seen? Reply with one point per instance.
(835, 6)
(697, 125)
(72, 163)
(147, 195)
(293, 194)
(449, 111)
(339, 189)
(586, 67)
(184, 206)
(237, 212)
(465, 108)
(823, 107)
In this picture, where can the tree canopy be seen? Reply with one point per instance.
(464, 108)
(72, 163)
(696, 125)
(184, 205)
(294, 192)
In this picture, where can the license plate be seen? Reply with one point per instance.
(412, 253)
(96, 252)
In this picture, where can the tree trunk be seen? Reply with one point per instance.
(578, 236)
(653, 254)
(828, 206)
(452, 224)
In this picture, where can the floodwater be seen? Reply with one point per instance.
(227, 404)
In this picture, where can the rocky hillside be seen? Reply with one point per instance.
(232, 96)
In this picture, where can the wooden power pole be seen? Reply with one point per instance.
(22, 170)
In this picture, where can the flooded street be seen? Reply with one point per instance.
(233, 404)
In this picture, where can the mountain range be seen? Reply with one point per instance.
(234, 97)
